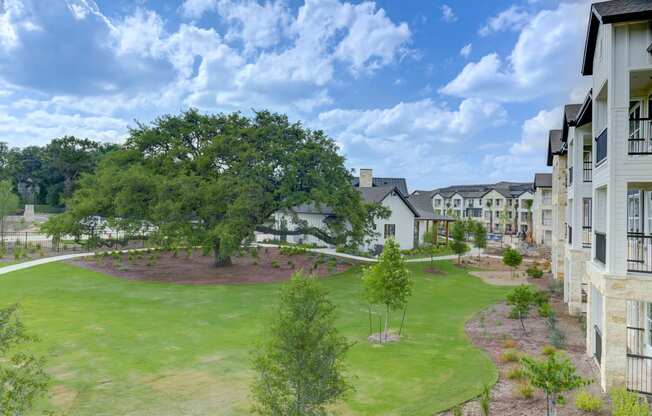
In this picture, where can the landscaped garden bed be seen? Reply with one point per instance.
(254, 265)
(505, 341)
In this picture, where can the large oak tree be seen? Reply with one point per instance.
(213, 180)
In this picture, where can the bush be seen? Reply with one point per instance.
(457, 410)
(485, 400)
(275, 264)
(549, 350)
(534, 272)
(516, 373)
(587, 402)
(292, 250)
(545, 310)
(510, 355)
(509, 343)
(512, 258)
(625, 403)
(525, 390)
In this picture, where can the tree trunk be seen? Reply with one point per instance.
(386, 321)
(221, 259)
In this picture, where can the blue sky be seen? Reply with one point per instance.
(439, 92)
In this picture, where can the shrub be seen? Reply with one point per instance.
(516, 373)
(534, 272)
(549, 350)
(509, 343)
(525, 390)
(512, 258)
(510, 355)
(545, 310)
(588, 402)
(275, 264)
(291, 264)
(457, 410)
(625, 403)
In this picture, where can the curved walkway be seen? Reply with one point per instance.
(326, 251)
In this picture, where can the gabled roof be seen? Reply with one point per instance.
(542, 180)
(379, 193)
(606, 12)
(570, 118)
(585, 113)
(555, 146)
(422, 201)
(400, 183)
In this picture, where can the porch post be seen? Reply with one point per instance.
(614, 343)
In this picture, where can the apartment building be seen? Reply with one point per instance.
(542, 209)
(607, 145)
(502, 206)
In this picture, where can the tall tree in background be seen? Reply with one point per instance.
(299, 367)
(22, 375)
(8, 203)
(213, 180)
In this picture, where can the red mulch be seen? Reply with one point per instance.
(199, 269)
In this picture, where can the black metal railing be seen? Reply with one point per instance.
(639, 253)
(587, 170)
(587, 237)
(570, 235)
(639, 363)
(601, 147)
(585, 293)
(601, 247)
(570, 175)
(597, 349)
(640, 136)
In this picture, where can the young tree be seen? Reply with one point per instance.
(527, 203)
(512, 258)
(8, 203)
(479, 237)
(521, 299)
(554, 376)
(213, 180)
(458, 245)
(299, 367)
(388, 282)
(22, 375)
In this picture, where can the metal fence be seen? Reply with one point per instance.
(639, 364)
(640, 140)
(639, 253)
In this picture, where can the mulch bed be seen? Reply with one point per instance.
(493, 331)
(199, 269)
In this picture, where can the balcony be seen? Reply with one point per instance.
(639, 253)
(640, 136)
(639, 364)
(587, 237)
(601, 147)
(601, 247)
(587, 168)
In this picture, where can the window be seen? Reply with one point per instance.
(509, 215)
(546, 217)
(497, 202)
(547, 197)
(634, 212)
(487, 214)
(509, 202)
(437, 202)
(457, 203)
(586, 213)
(390, 230)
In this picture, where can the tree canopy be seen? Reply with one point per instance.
(213, 180)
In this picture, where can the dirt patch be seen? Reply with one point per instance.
(494, 332)
(266, 265)
(495, 264)
(384, 337)
(501, 278)
(433, 271)
(63, 397)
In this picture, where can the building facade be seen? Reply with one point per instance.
(542, 209)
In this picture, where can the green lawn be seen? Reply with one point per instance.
(119, 347)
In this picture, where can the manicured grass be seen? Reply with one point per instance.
(424, 253)
(120, 347)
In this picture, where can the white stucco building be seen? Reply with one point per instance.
(542, 209)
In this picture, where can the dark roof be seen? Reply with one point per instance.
(379, 193)
(312, 208)
(555, 146)
(585, 115)
(507, 189)
(542, 180)
(400, 183)
(570, 118)
(422, 201)
(606, 12)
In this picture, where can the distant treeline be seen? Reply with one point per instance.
(47, 174)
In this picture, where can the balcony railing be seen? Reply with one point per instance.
(601, 247)
(601, 147)
(587, 170)
(639, 253)
(639, 364)
(640, 136)
(587, 237)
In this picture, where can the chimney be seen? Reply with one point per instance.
(366, 178)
